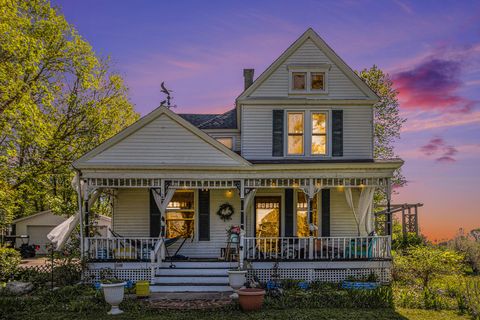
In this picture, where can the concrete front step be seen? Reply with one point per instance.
(200, 264)
(156, 288)
(191, 272)
(197, 279)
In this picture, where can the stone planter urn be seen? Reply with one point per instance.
(236, 280)
(113, 293)
(251, 299)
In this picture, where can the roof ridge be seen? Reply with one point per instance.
(215, 117)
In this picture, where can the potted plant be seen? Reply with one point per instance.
(236, 279)
(234, 234)
(113, 291)
(251, 299)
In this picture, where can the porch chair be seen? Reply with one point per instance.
(361, 250)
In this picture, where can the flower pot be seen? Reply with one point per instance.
(237, 278)
(113, 293)
(250, 299)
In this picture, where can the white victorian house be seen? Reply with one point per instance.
(292, 165)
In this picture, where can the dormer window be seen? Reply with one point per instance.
(308, 79)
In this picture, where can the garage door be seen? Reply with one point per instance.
(38, 236)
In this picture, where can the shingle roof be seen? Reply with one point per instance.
(227, 120)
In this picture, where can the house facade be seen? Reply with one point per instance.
(291, 165)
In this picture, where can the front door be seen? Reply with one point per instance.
(267, 217)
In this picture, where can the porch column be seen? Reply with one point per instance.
(87, 213)
(242, 224)
(80, 212)
(389, 209)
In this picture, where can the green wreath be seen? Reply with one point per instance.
(225, 211)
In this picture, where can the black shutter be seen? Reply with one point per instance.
(325, 212)
(277, 133)
(154, 216)
(289, 212)
(337, 133)
(204, 215)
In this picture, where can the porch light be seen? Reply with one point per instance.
(340, 188)
(228, 194)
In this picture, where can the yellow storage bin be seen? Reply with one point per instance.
(142, 288)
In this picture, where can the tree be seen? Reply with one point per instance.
(387, 119)
(424, 263)
(57, 101)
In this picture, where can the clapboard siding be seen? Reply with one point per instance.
(131, 212)
(342, 220)
(339, 85)
(163, 141)
(257, 131)
(235, 134)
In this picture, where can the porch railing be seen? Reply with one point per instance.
(317, 248)
(137, 248)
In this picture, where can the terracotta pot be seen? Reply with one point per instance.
(251, 299)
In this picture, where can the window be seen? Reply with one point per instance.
(295, 133)
(226, 141)
(317, 81)
(180, 215)
(319, 133)
(299, 80)
(308, 78)
(303, 229)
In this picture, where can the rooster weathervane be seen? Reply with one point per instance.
(166, 102)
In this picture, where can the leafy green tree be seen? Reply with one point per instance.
(57, 101)
(387, 119)
(422, 264)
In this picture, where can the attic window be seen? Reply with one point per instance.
(308, 79)
(299, 80)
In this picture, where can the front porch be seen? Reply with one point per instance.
(297, 228)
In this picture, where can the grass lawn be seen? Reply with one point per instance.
(291, 314)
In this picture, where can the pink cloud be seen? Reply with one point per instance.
(438, 147)
(420, 121)
(433, 84)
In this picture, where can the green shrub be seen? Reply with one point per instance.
(9, 261)
(330, 296)
(471, 297)
(420, 265)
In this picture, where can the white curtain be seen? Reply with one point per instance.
(162, 206)
(361, 212)
(61, 233)
(249, 199)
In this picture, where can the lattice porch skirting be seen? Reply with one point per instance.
(326, 271)
(134, 271)
(330, 271)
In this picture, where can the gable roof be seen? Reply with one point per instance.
(325, 48)
(41, 213)
(84, 161)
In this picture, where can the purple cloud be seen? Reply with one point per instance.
(433, 84)
(438, 147)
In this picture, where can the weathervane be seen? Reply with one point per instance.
(166, 102)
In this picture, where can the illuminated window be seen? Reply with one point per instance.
(267, 217)
(317, 81)
(180, 215)
(299, 80)
(319, 133)
(295, 133)
(227, 142)
(303, 229)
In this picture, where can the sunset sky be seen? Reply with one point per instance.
(431, 49)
